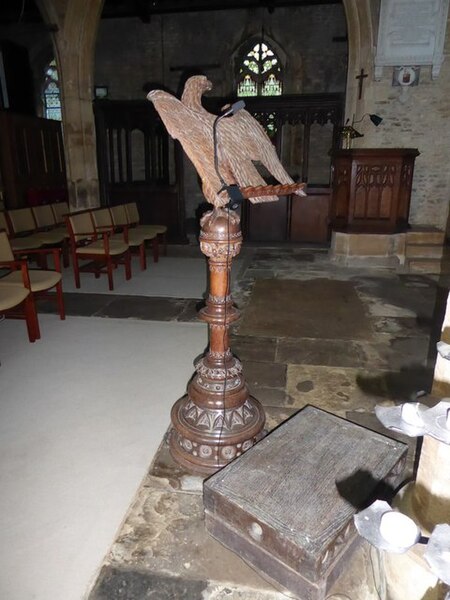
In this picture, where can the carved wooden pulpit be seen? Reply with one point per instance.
(371, 189)
(217, 419)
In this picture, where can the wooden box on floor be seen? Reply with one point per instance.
(286, 505)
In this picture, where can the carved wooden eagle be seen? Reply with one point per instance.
(241, 142)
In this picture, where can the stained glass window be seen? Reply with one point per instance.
(259, 72)
(51, 93)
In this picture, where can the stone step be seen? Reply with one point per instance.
(427, 236)
(433, 266)
(424, 251)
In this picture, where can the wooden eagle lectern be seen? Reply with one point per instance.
(217, 419)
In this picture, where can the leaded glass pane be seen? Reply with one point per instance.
(271, 86)
(271, 127)
(52, 101)
(51, 93)
(260, 73)
(53, 113)
(252, 65)
(247, 87)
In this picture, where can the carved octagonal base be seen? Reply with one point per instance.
(218, 419)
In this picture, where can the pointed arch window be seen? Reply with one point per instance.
(51, 93)
(259, 72)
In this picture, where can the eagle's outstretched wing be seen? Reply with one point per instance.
(194, 132)
(241, 142)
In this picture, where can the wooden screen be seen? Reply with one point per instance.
(304, 129)
(139, 162)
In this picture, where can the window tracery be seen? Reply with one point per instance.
(51, 93)
(259, 72)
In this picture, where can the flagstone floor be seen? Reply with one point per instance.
(311, 332)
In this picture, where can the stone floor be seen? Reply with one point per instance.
(311, 332)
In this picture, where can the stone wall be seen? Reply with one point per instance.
(417, 117)
(131, 55)
(36, 39)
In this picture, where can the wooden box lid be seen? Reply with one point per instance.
(282, 495)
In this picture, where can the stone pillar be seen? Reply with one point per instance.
(431, 496)
(426, 501)
(76, 23)
(218, 419)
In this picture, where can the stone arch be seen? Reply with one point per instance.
(361, 42)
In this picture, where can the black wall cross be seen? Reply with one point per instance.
(361, 78)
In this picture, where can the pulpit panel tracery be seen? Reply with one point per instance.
(374, 191)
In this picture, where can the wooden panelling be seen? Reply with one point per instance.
(138, 163)
(266, 222)
(31, 160)
(310, 216)
(306, 129)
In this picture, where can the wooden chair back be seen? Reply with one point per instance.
(60, 210)
(102, 219)
(44, 216)
(6, 253)
(132, 212)
(4, 222)
(119, 215)
(81, 226)
(22, 220)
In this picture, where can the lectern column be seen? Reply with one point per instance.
(218, 419)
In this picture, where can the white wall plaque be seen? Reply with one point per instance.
(411, 32)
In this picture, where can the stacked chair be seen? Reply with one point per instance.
(133, 220)
(98, 239)
(22, 226)
(101, 249)
(103, 221)
(137, 236)
(20, 243)
(60, 210)
(45, 220)
(20, 285)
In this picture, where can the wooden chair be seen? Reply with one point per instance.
(134, 220)
(19, 243)
(103, 221)
(23, 224)
(45, 221)
(103, 253)
(16, 301)
(120, 220)
(39, 281)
